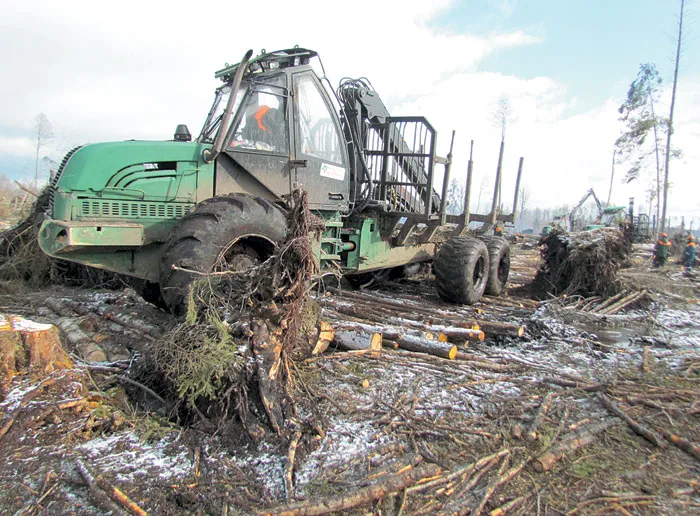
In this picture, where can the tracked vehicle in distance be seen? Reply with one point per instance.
(158, 210)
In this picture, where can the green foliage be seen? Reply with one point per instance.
(637, 112)
(201, 358)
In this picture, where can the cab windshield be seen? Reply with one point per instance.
(261, 124)
(216, 113)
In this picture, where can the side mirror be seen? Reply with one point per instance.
(182, 134)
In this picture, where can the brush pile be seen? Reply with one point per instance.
(230, 358)
(22, 260)
(584, 263)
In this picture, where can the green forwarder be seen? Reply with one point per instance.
(156, 210)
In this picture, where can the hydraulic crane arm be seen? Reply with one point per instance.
(572, 213)
(375, 133)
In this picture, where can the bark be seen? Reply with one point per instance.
(27, 345)
(357, 498)
(460, 335)
(354, 340)
(431, 347)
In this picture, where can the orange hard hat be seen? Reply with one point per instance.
(663, 235)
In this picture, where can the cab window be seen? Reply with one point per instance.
(316, 133)
(261, 125)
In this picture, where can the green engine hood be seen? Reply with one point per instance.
(119, 164)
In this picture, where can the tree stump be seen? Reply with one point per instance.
(26, 345)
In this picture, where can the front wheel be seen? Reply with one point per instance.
(461, 269)
(231, 232)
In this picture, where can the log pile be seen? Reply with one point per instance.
(411, 325)
(584, 263)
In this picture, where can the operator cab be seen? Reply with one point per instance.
(284, 131)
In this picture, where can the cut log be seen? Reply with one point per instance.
(570, 442)
(639, 429)
(355, 340)
(541, 413)
(460, 335)
(684, 444)
(431, 347)
(77, 338)
(357, 498)
(608, 302)
(105, 494)
(25, 344)
(483, 363)
(623, 303)
(497, 328)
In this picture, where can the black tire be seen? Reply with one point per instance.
(499, 264)
(461, 270)
(229, 232)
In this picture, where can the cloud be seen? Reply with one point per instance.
(114, 71)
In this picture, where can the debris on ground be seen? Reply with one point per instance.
(583, 263)
(402, 404)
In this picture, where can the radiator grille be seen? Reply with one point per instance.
(91, 208)
(56, 178)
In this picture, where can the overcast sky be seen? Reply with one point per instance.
(121, 70)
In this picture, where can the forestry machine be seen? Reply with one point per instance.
(157, 210)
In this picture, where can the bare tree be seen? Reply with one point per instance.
(482, 189)
(44, 132)
(669, 130)
(455, 198)
(523, 200)
(501, 117)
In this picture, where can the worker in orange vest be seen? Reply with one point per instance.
(661, 250)
(498, 230)
(689, 254)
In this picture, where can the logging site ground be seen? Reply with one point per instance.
(592, 410)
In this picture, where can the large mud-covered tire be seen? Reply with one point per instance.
(222, 233)
(461, 270)
(499, 264)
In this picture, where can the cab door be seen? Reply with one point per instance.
(320, 155)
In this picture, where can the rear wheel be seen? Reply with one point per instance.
(499, 264)
(232, 232)
(461, 270)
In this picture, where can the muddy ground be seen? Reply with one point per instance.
(515, 425)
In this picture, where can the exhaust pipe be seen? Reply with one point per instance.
(210, 155)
